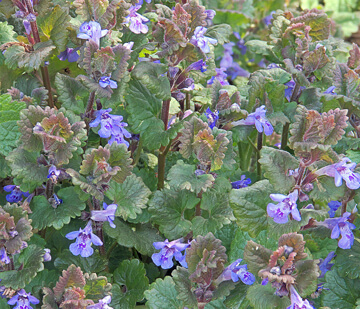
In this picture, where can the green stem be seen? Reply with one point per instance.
(259, 146)
(188, 97)
(161, 166)
(284, 135)
(138, 151)
(114, 244)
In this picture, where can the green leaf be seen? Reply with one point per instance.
(182, 176)
(7, 33)
(54, 26)
(276, 165)
(263, 297)
(184, 287)
(256, 256)
(7, 104)
(348, 261)
(306, 277)
(9, 134)
(131, 196)
(167, 209)
(326, 191)
(162, 295)
(96, 287)
(215, 207)
(237, 298)
(5, 170)
(149, 73)
(140, 236)
(249, 206)
(31, 259)
(220, 32)
(340, 292)
(131, 276)
(44, 215)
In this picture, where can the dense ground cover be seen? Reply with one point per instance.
(179, 154)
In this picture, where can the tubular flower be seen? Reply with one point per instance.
(136, 20)
(297, 302)
(286, 205)
(235, 271)
(201, 41)
(168, 251)
(16, 194)
(108, 214)
(92, 31)
(23, 300)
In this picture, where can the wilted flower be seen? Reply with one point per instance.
(258, 119)
(235, 271)
(333, 205)
(201, 41)
(47, 255)
(168, 251)
(242, 183)
(69, 54)
(342, 170)
(286, 205)
(92, 30)
(16, 194)
(297, 302)
(84, 238)
(211, 117)
(136, 20)
(23, 300)
(129, 45)
(3, 256)
(341, 226)
(325, 264)
(108, 214)
(105, 81)
(102, 304)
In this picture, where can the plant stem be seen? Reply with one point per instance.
(99, 227)
(259, 146)
(161, 165)
(165, 112)
(138, 151)
(188, 97)
(114, 244)
(49, 191)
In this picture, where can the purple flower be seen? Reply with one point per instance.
(27, 26)
(342, 170)
(259, 120)
(16, 194)
(341, 226)
(333, 205)
(210, 14)
(105, 81)
(220, 76)
(288, 91)
(47, 255)
(92, 31)
(108, 214)
(242, 183)
(273, 66)
(325, 264)
(212, 118)
(198, 65)
(235, 271)
(84, 238)
(267, 19)
(136, 20)
(233, 69)
(129, 45)
(168, 251)
(69, 54)
(142, 1)
(23, 300)
(199, 172)
(201, 41)
(240, 43)
(53, 173)
(103, 303)
(286, 205)
(297, 302)
(3, 256)
(330, 90)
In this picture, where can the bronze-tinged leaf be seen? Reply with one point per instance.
(181, 18)
(277, 254)
(354, 58)
(103, 61)
(256, 256)
(173, 37)
(71, 278)
(95, 163)
(86, 56)
(295, 241)
(315, 60)
(197, 13)
(288, 263)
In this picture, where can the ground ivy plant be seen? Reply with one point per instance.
(178, 154)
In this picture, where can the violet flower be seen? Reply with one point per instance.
(235, 271)
(201, 41)
(297, 302)
(136, 20)
(84, 238)
(257, 118)
(102, 304)
(92, 31)
(242, 183)
(69, 54)
(325, 264)
(286, 205)
(23, 300)
(53, 173)
(240, 43)
(47, 255)
(168, 251)
(233, 69)
(333, 205)
(212, 118)
(341, 226)
(27, 26)
(108, 214)
(198, 65)
(3, 256)
(16, 194)
(105, 81)
(220, 76)
(330, 90)
(267, 19)
(342, 170)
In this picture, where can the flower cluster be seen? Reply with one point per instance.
(212, 118)
(16, 195)
(136, 21)
(236, 271)
(111, 126)
(92, 31)
(168, 251)
(286, 205)
(200, 40)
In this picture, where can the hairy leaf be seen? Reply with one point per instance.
(96, 287)
(348, 262)
(9, 135)
(263, 297)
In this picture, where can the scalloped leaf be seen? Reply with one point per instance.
(72, 277)
(220, 32)
(31, 259)
(354, 58)
(315, 60)
(276, 165)
(197, 13)
(131, 277)
(183, 286)
(7, 33)
(256, 256)
(167, 209)
(9, 136)
(306, 278)
(96, 287)
(44, 215)
(348, 262)
(182, 176)
(263, 297)
(163, 295)
(131, 196)
(90, 9)
(140, 236)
